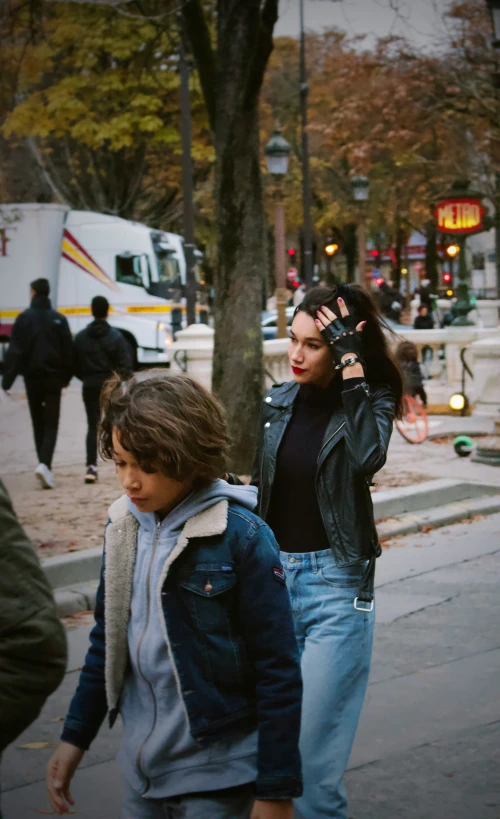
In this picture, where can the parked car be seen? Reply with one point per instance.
(269, 322)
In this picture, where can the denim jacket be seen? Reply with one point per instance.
(229, 633)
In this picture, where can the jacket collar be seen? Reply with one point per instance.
(282, 396)
(209, 522)
(41, 302)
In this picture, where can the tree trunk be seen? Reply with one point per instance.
(242, 257)
(231, 78)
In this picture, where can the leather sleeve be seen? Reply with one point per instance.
(369, 420)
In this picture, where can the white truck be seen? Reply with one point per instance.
(84, 254)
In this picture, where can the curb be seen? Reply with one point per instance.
(74, 577)
(73, 599)
(442, 516)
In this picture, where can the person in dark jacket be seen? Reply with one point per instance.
(100, 351)
(423, 319)
(32, 639)
(407, 358)
(41, 349)
(322, 437)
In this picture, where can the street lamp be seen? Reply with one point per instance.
(277, 152)
(360, 189)
(331, 248)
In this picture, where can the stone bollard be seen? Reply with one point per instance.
(192, 353)
(485, 313)
(485, 357)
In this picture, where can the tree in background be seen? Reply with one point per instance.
(96, 102)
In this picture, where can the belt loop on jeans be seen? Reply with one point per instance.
(314, 563)
(364, 600)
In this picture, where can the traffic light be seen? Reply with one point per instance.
(447, 279)
(375, 254)
(452, 251)
(291, 255)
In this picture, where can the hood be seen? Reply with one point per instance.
(98, 328)
(198, 501)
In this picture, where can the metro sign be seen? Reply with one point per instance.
(460, 215)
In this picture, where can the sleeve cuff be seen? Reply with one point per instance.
(351, 383)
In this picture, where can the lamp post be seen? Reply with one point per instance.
(187, 183)
(306, 185)
(277, 152)
(494, 9)
(360, 189)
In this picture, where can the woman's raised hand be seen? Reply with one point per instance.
(342, 335)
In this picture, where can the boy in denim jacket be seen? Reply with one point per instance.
(193, 643)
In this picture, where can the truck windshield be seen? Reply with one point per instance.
(169, 271)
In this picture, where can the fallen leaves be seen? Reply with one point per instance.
(81, 618)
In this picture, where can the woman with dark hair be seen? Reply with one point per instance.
(323, 436)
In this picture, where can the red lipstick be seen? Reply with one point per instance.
(297, 370)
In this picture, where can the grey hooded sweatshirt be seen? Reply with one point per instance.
(158, 755)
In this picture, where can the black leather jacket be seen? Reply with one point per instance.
(354, 449)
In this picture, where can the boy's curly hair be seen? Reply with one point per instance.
(167, 422)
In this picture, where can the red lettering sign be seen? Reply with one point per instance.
(460, 215)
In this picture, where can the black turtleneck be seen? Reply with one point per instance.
(294, 514)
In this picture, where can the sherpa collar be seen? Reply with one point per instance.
(121, 550)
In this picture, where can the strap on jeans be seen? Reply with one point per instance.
(364, 600)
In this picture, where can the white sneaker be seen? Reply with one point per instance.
(44, 475)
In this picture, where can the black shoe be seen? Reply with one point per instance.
(91, 474)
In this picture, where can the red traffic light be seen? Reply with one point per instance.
(375, 254)
(291, 251)
(378, 282)
(446, 278)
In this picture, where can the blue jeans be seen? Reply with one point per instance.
(233, 803)
(335, 641)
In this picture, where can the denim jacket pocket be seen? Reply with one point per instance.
(209, 594)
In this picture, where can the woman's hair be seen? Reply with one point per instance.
(167, 422)
(381, 369)
(406, 351)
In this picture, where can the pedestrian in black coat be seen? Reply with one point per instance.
(101, 350)
(41, 349)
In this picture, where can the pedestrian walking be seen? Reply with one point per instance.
(32, 640)
(101, 350)
(194, 641)
(413, 381)
(425, 321)
(322, 438)
(41, 349)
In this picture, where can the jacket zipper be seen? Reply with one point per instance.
(143, 635)
(330, 438)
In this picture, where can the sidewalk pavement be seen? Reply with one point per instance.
(434, 460)
(429, 736)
